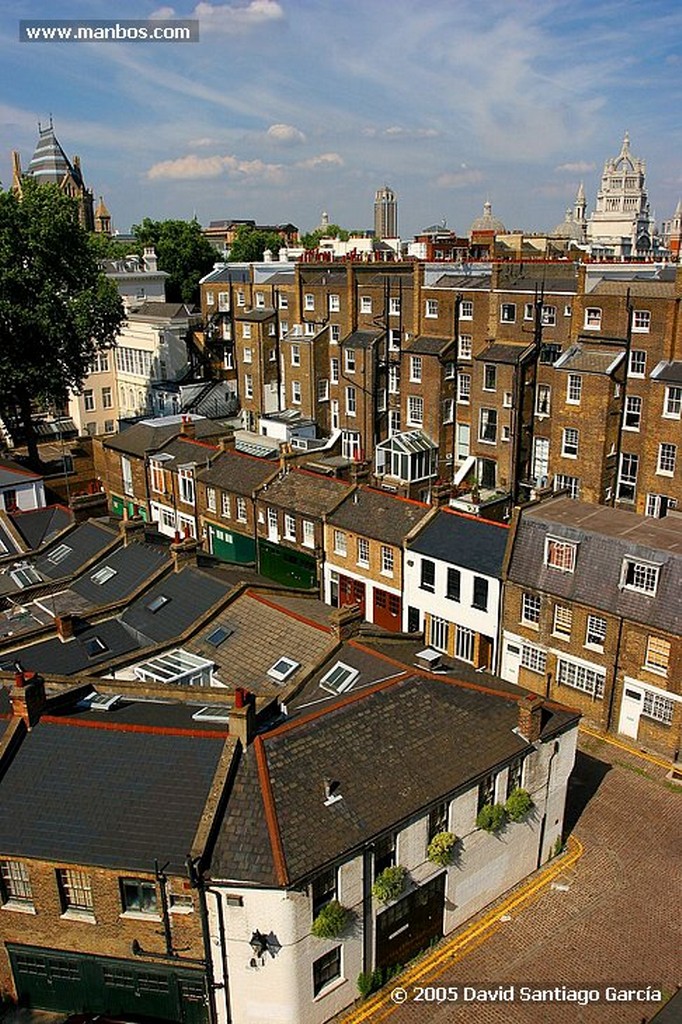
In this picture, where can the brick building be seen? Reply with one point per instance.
(592, 616)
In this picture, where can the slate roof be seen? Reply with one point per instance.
(566, 285)
(465, 282)
(190, 593)
(305, 492)
(237, 472)
(459, 540)
(85, 541)
(187, 452)
(39, 525)
(583, 359)
(669, 373)
(145, 436)
(133, 564)
(392, 751)
(256, 315)
(53, 657)
(638, 288)
(280, 277)
(605, 536)
(13, 473)
(161, 311)
(111, 798)
(8, 544)
(501, 353)
(361, 339)
(378, 514)
(427, 345)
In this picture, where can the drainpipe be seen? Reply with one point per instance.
(554, 753)
(225, 985)
(198, 883)
(367, 918)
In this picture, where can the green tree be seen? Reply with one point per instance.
(57, 309)
(312, 239)
(250, 243)
(107, 247)
(182, 251)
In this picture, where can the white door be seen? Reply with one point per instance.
(630, 711)
(335, 414)
(273, 531)
(511, 660)
(463, 441)
(540, 460)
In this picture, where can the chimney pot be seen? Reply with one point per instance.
(28, 699)
(65, 627)
(530, 717)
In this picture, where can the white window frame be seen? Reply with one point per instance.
(241, 510)
(667, 459)
(637, 363)
(308, 540)
(387, 560)
(531, 607)
(672, 402)
(416, 368)
(466, 309)
(415, 411)
(641, 321)
(431, 309)
(340, 543)
(574, 389)
(593, 317)
(570, 442)
(645, 576)
(560, 554)
(595, 628)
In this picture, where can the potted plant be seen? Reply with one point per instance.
(441, 848)
(519, 804)
(330, 921)
(390, 884)
(492, 818)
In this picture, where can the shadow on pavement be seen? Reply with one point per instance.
(586, 778)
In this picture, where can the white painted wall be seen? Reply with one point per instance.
(27, 494)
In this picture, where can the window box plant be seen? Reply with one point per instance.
(519, 804)
(492, 818)
(441, 849)
(390, 884)
(330, 921)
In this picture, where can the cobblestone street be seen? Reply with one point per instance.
(610, 919)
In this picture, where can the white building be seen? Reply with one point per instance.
(21, 490)
(315, 813)
(621, 225)
(452, 586)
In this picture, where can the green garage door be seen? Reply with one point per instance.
(69, 983)
(291, 568)
(231, 547)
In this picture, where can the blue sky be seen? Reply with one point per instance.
(288, 107)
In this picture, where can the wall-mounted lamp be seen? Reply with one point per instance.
(262, 944)
(258, 943)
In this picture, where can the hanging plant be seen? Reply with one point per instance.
(390, 884)
(330, 921)
(441, 848)
(492, 818)
(519, 804)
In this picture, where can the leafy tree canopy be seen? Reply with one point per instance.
(312, 239)
(182, 251)
(57, 309)
(107, 247)
(250, 243)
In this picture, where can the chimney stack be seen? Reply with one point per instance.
(530, 717)
(242, 718)
(183, 552)
(188, 427)
(65, 627)
(131, 529)
(227, 442)
(149, 257)
(27, 697)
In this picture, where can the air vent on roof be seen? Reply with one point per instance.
(158, 603)
(100, 701)
(428, 658)
(283, 668)
(339, 678)
(103, 574)
(215, 713)
(218, 635)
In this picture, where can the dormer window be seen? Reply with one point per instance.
(560, 554)
(639, 576)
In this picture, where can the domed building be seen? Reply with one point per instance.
(574, 223)
(487, 223)
(621, 225)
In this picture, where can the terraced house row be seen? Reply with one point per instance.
(509, 378)
(572, 600)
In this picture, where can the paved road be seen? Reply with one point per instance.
(617, 922)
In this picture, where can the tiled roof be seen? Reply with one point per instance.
(638, 288)
(500, 353)
(361, 339)
(378, 514)
(305, 492)
(38, 526)
(391, 752)
(669, 373)
(460, 540)
(605, 536)
(585, 359)
(147, 436)
(107, 797)
(237, 472)
(427, 345)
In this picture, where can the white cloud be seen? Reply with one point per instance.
(236, 17)
(285, 134)
(579, 167)
(197, 143)
(459, 179)
(163, 13)
(192, 167)
(397, 131)
(322, 160)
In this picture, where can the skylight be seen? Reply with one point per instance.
(215, 713)
(176, 666)
(158, 603)
(283, 668)
(339, 678)
(220, 633)
(26, 577)
(94, 646)
(59, 554)
(100, 701)
(103, 574)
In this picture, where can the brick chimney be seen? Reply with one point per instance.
(65, 627)
(242, 718)
(131, 529)
(27, 697)
(440, 494)
(227, 442)
(530, 717)
(346, 622)
(188, 427)
(183, 552)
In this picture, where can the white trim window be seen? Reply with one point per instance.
(574, 389)
(15, 883)
(466, 310)
(248, 386)
(241, 510)
(365, 303)
(586, 678)
(632, 419)
(641, 321)
(626, 488)
(246, 331)
(560, 554)
(465, 346)
(334, 371)
(595, 633)
(225, 505)
(562, 482)
(534, 658)
(464, 388)
(637, 364)
(489, 377)
(549, 316)
(211, 499)
(592, 319)
(394, 307)
(323, 389)
(295, 392)
(563, 621)
(363, 553)
(487, 426)
(657, 657)
(431, 311)
(334, 304)
(543, 400)
(667, 458)
(672, 402)
(308, 302)
(393, 379)
(658, 707)
(340, 543)
(349, 360)
(186, 484)
(387, 560)
(127, 474)
(295, 355)
(223, 302)
(465, 640)
(439, 633)
(530, 609)
(569, 442)
(247, 355)
(508, 313)
(416, 366)
(639, 576)
(308, 533)
(351, 401)
(415, 411)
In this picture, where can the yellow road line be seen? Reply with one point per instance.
(624, 746)
(465, 941)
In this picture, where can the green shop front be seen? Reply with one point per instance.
(119, 506)
(230, 546)
(69, 983)
(287, 566)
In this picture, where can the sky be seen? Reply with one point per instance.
(286, 108)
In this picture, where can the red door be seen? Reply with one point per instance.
(351, 592)
(387, 610)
